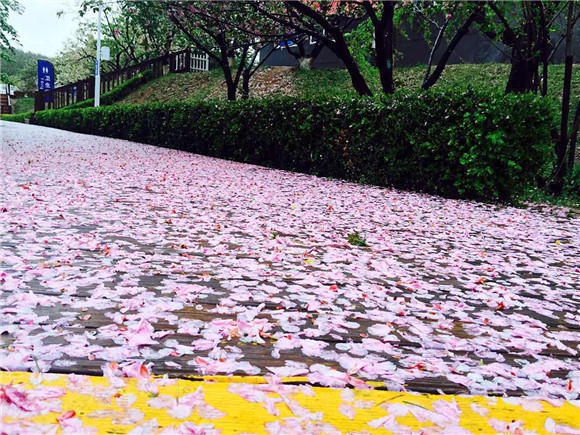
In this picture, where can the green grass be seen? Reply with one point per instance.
(23, 105)
(194, 86)
(494, 76)
(570, 196)
(333, 83)
(568, 199)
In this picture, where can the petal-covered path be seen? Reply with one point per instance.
(125, 259)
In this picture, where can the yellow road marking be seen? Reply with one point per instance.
(102, 407)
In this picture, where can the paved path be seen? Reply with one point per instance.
(123, 259)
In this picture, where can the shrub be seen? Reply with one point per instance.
(470, 144)
(20, 117)
(117, 93)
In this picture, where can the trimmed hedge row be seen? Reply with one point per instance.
(469, 145)
(20, 117)
(117, 93)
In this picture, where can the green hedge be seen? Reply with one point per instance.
(469, 145)
(117, 93)
(20, 117)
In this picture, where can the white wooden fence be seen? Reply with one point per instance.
(199, 62)
(187, 61)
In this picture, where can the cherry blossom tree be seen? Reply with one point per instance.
(232, 34)
(325, 21)
(134, 30)
(331, 22)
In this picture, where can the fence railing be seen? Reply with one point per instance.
(178, 62)
(186, 60)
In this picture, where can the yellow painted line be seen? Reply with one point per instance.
(249, 404)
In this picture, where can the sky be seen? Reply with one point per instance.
(40, 30)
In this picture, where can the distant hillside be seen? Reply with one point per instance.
(279, 81)
(22, 69)
(20, 60)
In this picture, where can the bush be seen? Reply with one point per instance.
(21, 117)
(470, 145)
(118, 93)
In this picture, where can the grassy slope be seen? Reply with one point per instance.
(318, 83)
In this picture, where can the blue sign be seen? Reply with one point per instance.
(45, 75)
(96, 67)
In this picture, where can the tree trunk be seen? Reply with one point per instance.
(231, 90)
(387, 80)
(246, 84)
(230, 83)
(384, 47)
(573, 139)
(343, 53)
(544, 90)
(306, 63)
(544, 44)
(358, 81)
(338, 45)
(563, 140)
(562, 144)
(299, 44)
(430, 80)
(316, 50)
(521, 79)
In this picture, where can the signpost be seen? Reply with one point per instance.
(45, 76)
(98, 61)
(105, 53)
